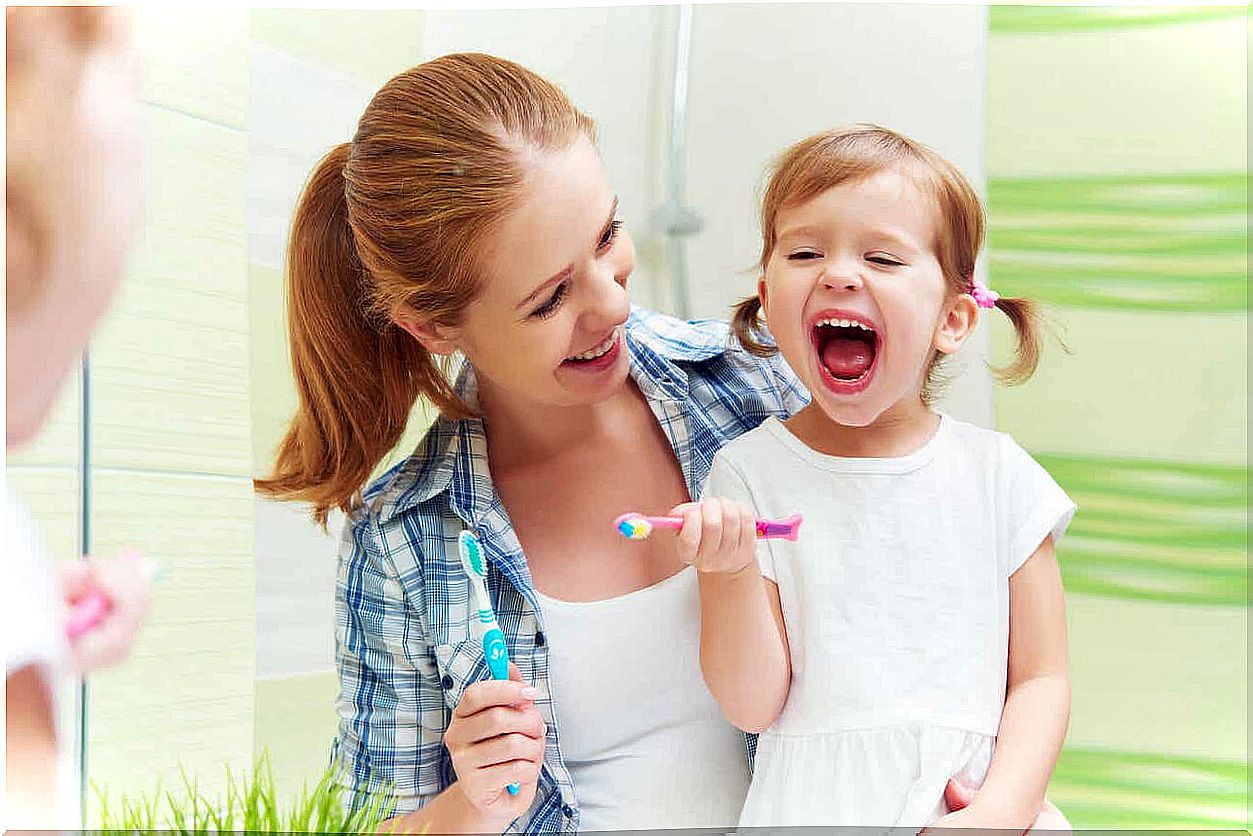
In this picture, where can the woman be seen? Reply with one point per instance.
(470, 215)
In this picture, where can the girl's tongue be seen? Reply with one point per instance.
(847, 356)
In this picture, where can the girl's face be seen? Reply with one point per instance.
(547, 327)
(855, 296)
(76, 148)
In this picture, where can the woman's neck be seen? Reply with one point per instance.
(521, 434)
(899, 431)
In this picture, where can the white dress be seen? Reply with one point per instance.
(30, 632)
(896, 602)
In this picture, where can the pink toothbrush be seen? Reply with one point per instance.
(637, 526)
(89, 610)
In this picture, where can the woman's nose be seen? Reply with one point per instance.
(608, 303)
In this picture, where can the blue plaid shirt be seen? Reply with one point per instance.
(405, 645)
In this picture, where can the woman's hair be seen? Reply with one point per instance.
(846, 155)
(395, 219)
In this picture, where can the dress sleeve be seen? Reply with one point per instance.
(1033, 506)
(727, 481)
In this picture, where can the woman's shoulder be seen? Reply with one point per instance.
(679, 339)
(709, 348)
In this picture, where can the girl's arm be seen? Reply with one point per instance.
(1037, 702)
(743, 645)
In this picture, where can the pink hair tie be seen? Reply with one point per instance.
(984, 296)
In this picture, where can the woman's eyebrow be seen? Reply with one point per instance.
(566, 271)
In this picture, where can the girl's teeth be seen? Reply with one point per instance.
(844, 323)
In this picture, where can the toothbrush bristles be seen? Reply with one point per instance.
(634, 528)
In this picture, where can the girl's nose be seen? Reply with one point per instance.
(847, 278)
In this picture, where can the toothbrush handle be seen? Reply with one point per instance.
(766, 529)
(497, 655)
(86, 613)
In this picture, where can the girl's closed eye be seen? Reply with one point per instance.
(804, 255)
(554, 302)
(884, 260)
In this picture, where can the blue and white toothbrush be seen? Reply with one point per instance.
(494, 649)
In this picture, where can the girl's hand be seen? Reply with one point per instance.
(958, 795)
(974, 817)
(124, 583)
(719, 536)
(496, 738)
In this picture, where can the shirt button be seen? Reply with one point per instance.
(539, 638)
(567, 811)
(446, 682)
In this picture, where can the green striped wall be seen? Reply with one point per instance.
(1118, 196)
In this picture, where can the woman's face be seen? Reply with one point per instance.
(547, 327)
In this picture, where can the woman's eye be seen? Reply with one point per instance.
(611, 233)
(803, 255)
(554, 302)
(884, 260)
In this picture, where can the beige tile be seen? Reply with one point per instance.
(369, 45)
(170, 363)
(195, 60)
(1164, 678)
(296, 723)
(1118, 100)
(50, 495)
(1124, 392)
(186, 695)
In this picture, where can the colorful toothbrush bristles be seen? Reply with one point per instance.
(634, 527)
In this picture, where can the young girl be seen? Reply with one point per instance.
(74, 173)
(915, 631)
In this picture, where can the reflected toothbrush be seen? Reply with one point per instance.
(494, 648)
(637, 526)
(87, 611)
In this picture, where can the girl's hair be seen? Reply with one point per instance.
(846, 155)
(396, 218)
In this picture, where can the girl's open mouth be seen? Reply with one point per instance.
(848, 349)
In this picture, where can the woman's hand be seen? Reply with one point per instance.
(496, 738)
(124, 583)
(719, 536)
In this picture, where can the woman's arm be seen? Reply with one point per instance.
(743, 645)
(391, 691)
(1037, 702)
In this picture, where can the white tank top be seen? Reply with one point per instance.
(645, 743)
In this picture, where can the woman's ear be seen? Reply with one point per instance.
(437, 339)
(956, 322)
